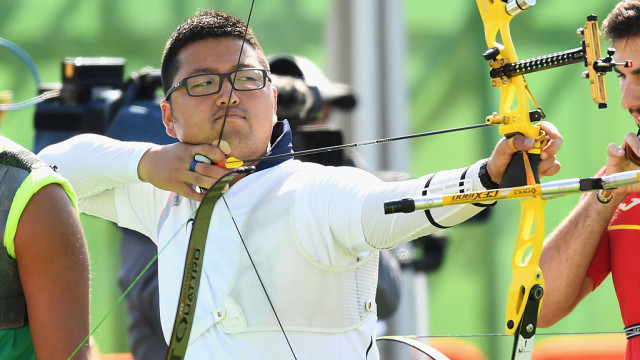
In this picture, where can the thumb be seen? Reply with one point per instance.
(520, 143)
(503, 152)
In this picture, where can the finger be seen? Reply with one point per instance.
(503, 152)
(205, 175)
(615, 151)
(190, 193)
(211, 170)
(552, 148)
(550, 129)
(631, 141)
(520, 143)
(549, 167)
(617, 160)
(208, 151)
(204, 166)
(193, 164)
(511, 144)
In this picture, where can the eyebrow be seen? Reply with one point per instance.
(208, 70)
(634, 70)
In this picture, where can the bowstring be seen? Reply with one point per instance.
(135, 281)
(504, 335)
(232, 81)
(260, 279)
(255, 269)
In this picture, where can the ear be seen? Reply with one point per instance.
(275, 105)
(167, 118)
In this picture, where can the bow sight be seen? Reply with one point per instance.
(588, 53)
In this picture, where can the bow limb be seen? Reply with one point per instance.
(422, 347)
(193, 266)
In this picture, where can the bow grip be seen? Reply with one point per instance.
(516, 172)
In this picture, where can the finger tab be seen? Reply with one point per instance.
(202, 158)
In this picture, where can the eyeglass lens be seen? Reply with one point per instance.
(241, 80)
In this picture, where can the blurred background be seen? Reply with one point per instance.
(414, 66)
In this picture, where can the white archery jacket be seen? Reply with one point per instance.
(312, 231)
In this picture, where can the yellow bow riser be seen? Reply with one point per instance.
(514, 118)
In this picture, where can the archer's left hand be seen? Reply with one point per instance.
(503, 152)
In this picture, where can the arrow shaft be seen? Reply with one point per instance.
(545, 191)
(363, 143)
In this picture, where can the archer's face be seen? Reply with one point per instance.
(629, 49)
(198, 120)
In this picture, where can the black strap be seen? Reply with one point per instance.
(13, 306)
(632, 331)
(485, 180)
(13, 312)
(428, 211)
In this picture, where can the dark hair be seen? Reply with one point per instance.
(204, 24)
(623, 21)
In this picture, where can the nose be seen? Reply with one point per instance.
(227, 95)
(630, 93)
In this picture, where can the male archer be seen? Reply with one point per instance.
(600, 235)
(309, 233)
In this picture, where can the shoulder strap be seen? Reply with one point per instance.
(16, 164)
(13, 308)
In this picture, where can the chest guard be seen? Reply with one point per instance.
(15, 165)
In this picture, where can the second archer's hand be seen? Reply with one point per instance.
(618, 161)
(169, 167)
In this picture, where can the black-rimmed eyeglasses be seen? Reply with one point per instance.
(207, 84)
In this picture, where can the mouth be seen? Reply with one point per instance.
(636, 115)
(232, 114)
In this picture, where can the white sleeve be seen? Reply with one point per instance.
(365, 226)
(103, 173)
(346, 206)
(383, 231)
(95, 163)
